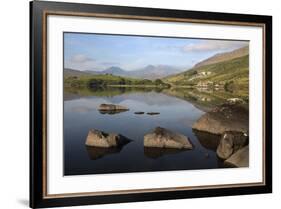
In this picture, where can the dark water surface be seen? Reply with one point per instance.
(177, 113)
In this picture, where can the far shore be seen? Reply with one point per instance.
(139, 86)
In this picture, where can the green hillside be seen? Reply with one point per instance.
(221, 57)
(230, 74)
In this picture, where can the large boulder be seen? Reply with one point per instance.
(164, 138)
(111, 107)
(239, 158)
(227, 117)
(98, 138)
(230, 142)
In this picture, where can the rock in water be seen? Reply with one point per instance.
(153, 113)
(111, 112)
(98, 138)
(111, 107)
(164, 138)
(239, 158)
(230, 142)
(227, 117)
(139, 113)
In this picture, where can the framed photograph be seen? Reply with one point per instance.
(140, 104)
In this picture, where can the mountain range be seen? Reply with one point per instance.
(151, 72)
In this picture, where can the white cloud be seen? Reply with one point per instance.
(83, 62)
(81, 58)
(110, 63)
(214, 45)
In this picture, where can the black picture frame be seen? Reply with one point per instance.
(38, 11)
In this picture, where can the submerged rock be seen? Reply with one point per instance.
(111, 107)
(227, 117)
(153, 113)
(231, 142)
(98, 138)
(239, 158)
(164, 138)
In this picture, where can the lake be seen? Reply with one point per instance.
(178, 108)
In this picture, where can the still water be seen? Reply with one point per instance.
(176, 114)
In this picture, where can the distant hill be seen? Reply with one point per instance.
(112, 70)
(149, 72)
(155, 71)
(226, 69)
(71, 72)
(224, 57)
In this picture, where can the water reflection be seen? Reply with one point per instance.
(154, 152)
(208, 98)
(95, 153)
(178, 109)
(204, 99)
(207, 140)
(111, 112)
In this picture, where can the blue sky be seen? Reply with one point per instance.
(98, 51)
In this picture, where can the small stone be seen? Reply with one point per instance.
(153, 113)
(110, 107)
(139, 113)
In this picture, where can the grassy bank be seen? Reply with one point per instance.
(110, 80)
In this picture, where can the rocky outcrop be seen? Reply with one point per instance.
(164, 138)
(230, 143)
(98, 138)
(227, 117)
(112, 107)
(239, 158)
